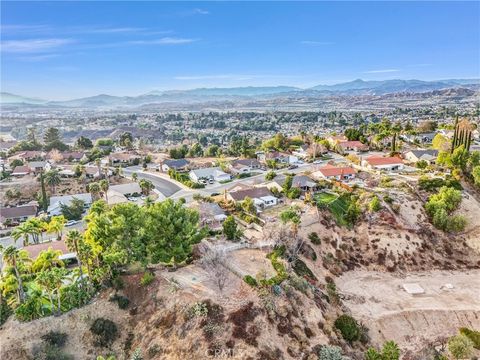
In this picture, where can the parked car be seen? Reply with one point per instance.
(292, 167)
(71, 222)
(211, 181)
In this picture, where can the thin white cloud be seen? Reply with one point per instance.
(315, 43)
(33, 45)
(381, 71)
(37, 58)
(420, 65)
(22, 28)
(161, 41)
(201, 11)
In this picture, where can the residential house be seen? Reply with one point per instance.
(428, 155)
(21, 170)
(5, 146)
(38, 166)
(302, 182)
(35, 250)
(383, 163)
(277, 157)
(70, 156)
(334, 139)
(56, 202)
(331, 172)
(211, 214)
(261, 196)
(354, 145)
(424, 138)
(175, 164)
(306, 151)
(244, 166)
(124, 158)
(207, 174)
(18, 214)
(26, 156)
(128, 189)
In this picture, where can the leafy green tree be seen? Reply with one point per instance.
(16, 162)
(460, 346)
(172, 230)
(287, 185)
(56, 226)
(14, 257)
(126, 140)
(269, 176)
(24, 230)
(292, 216)
(460, 157)
(146, 186)
(248, 206)
(84, 143)
(230, 229)
(476, 175)
(44, 198)
(73, 211)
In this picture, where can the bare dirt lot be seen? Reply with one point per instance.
(379, 300)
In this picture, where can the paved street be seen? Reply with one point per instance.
(166, 187)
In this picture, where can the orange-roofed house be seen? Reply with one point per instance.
(331, 172)
(354, 145)
(383, 163)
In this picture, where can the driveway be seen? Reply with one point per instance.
(166, 187)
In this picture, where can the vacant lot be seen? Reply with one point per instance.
(450, 301)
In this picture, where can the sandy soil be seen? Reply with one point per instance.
(379, 300)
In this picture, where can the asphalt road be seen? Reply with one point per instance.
(166, 187)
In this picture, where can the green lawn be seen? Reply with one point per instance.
(336, 205)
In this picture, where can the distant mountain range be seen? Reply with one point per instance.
(352, 88)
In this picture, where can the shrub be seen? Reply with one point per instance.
(472, 335)
(270, 175)
(460, 346)
(121, 301)
(105, 330)
(199, 309)
(250, 280)
(328, 352)
(374, 204)
(55, 338)
(302, 270)
(348, 327)
(147, 278)
(314, 238)
(52, 352)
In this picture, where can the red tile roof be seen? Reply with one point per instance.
(378, 160)
(35, 250)
(329, 170)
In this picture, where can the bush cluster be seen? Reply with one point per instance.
(105, 332)
(349, 328)
(147, 278)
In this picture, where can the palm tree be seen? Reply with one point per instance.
(23, 230)
(104, 187)
(99, 167)
(134, 176)
(44, 279)
(14, 258)
(146, 186)
(94, 189)
(37, 226)
(56, 225)
(47, 259)
(73, 242)
(52, 178)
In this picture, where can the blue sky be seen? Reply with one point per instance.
(62, 50)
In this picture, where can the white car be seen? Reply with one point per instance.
(71, 222)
